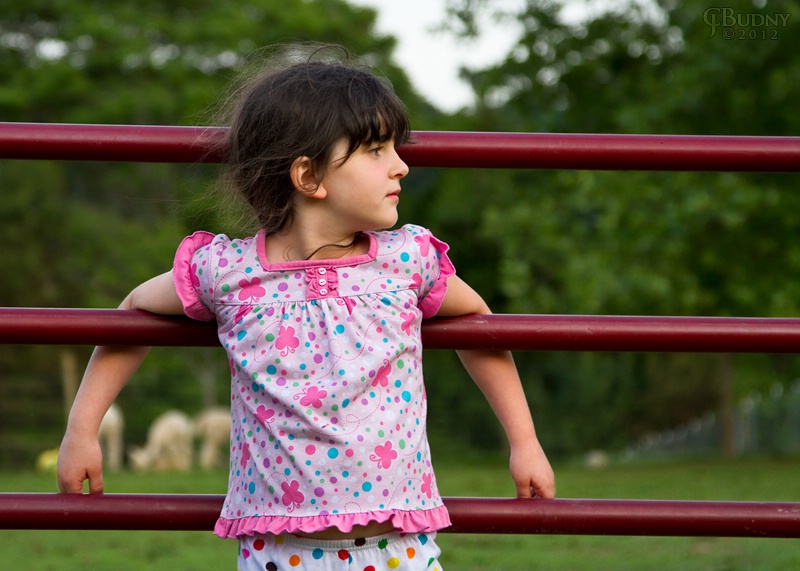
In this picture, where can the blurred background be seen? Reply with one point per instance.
(82, 234)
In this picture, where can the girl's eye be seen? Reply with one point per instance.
(375, 150)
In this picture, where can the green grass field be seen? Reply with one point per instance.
(752, 479)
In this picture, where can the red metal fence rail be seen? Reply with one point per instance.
(516, 332)
(22, 325)
(469, 515)
(431, 149)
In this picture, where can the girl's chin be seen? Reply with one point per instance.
(385, 222)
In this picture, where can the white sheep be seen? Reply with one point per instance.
(213, 427)
(110, 436)
(169, 444)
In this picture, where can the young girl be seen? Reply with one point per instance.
(319, 313)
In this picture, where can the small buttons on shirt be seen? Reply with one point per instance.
(322, 282)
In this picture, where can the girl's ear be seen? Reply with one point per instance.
(304, 179)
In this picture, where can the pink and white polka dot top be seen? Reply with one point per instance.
(328, 405)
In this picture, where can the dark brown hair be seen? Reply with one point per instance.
(308, 99)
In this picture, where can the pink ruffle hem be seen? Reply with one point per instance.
(406, 521)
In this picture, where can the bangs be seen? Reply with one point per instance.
(384, 124)
(375, 115)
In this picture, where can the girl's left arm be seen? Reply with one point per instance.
(496, 375)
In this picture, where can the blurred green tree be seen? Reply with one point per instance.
(82, 234)
(633, 242)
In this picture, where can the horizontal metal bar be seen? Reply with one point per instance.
(187, 512)
(87, 142)
(615, 333)
(469, 515)
(605, 152)
(149, 143)
(47, 326)
(65, 326)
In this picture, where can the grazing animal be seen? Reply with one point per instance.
(597, 459)
(213, 427)
(169, 444)
(110, 435)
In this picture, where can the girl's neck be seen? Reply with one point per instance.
(293, 245)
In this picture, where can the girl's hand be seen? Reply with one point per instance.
(80, 459)
(531, 472)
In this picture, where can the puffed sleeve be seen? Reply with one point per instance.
(193, 275)
(436, 267)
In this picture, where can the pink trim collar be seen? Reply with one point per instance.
(261, 246)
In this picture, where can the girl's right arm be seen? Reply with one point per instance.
(109, 369)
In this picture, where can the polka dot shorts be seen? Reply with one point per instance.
(391, 551)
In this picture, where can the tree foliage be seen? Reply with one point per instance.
(635, 242)
(82, 234)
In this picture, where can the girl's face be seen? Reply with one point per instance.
(363, 191)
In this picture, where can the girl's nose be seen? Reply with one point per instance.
(401, 168)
